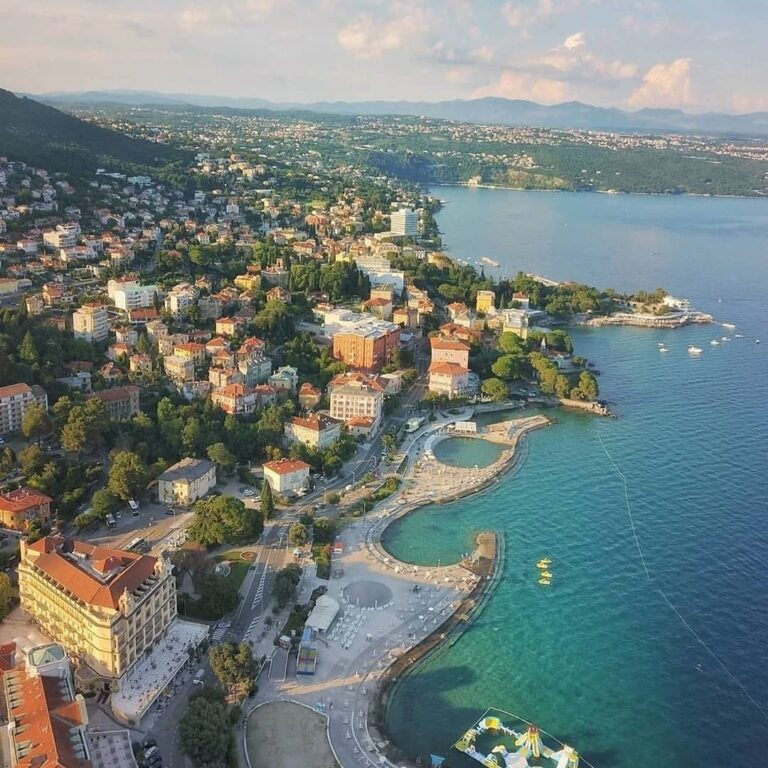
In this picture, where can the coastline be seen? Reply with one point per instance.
(612, 193)
(486, 563)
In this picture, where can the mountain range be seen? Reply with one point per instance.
(491, 110)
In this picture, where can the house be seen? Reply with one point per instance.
(186, 481)
(14, 401)
(316, 430)
(229, 326)
(309, 395)
(354, 395)
(452, 380)
(407, 317)
(216, 344)
(223, 377)
(235, 399)
(285, 378)
(180, 370)
(110, 373)
(449, 351)
(484, 301)
(120, 402)
(141, 364)
(456, 308)
(20, 507)
(278, 293)
(380, 307)
(191, 351)
(287, 475)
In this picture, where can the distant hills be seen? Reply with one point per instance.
(41, 135)
(573, 115)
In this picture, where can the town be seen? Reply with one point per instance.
(208, 380)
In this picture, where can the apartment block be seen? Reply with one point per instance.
(91, 322)
(14, 401)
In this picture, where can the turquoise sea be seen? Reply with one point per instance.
(651, 646)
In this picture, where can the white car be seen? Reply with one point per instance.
(249, 492)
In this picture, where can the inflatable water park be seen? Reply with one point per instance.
(519, 745)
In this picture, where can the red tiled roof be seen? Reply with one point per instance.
(22, 499)
(438, 343)
(44, 715)
(316, 421)
(116, 394)
(15, 389)
(83, 585)
(454, 369)
(286, 466)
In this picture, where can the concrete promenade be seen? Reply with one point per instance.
(392, 606)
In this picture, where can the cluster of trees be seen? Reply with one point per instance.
(285, 583)
(206, 730)
(552, 382)
(233, 664)
(341, 280)
(313, 363)
(220, 519)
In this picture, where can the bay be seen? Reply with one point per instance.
(650, 647)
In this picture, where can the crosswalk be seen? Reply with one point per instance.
(220, 631)
(252, 627)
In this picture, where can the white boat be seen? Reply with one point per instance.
(660, 343)
(728, 325)
(714, 342)
(663, 349)
(694, 350)
(738, 336)
(726, 338)
(757, 341)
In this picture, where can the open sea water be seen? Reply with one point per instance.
(651, 646)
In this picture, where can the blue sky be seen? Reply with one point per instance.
(694, 54)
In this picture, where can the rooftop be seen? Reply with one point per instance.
(94, 575)
(286, 466)
(187, 469)
(315, 421)
(21, 499)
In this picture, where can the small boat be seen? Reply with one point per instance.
(543, 563)
(714, 342)
(694, 350)
(660, 343)
(728, 325)
(738, 336)
(545, 582)
(546, 575)
(725, 338)
(757, 341)
(663, 349)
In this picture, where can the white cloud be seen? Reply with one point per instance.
(519, 15)
(516, 85)
(370, 38)
(664, 85)
(574, 59)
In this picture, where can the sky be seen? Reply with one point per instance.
(697, 55)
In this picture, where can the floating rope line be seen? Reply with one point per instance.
(626, 497)
(690, 629)
(714, 655)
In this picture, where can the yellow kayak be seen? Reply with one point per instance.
(546, 575)
(545, 582)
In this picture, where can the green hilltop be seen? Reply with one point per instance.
(40, 135)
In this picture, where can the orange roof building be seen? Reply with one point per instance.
(46, 719)
(287, 475)
(107, 607)
(20, 507)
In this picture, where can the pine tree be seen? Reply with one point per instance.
(267, 501)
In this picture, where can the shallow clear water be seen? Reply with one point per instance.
(467, 452)
(635, 669)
